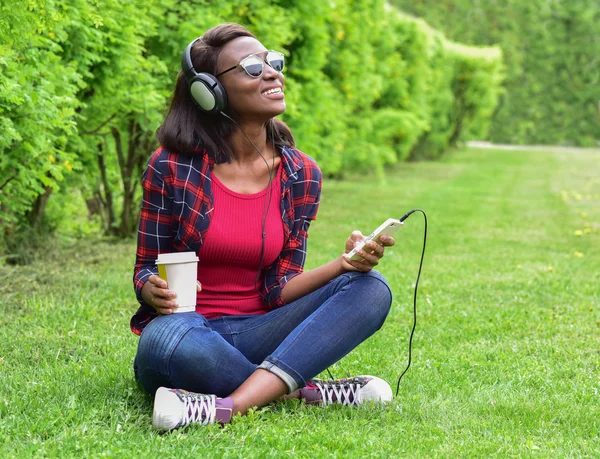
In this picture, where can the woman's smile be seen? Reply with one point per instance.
(274, 93)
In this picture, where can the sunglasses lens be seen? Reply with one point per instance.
(275, 60)
(253, 66)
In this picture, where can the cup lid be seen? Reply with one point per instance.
(176, 257)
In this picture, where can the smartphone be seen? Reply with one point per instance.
(389, 227)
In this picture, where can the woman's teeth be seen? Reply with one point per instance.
(271, 91)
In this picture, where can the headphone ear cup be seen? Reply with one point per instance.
(208, 93)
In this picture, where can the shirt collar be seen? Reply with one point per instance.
(292, 163)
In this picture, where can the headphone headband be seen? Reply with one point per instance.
(186, 60)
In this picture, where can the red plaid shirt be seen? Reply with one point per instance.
(177, 207)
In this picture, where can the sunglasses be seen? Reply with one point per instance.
(254, 64)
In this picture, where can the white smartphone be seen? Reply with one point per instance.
(389, 227)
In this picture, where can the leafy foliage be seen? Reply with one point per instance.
(84, 85)
(551, 54)
(37, 105)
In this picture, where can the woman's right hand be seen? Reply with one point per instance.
(156, 293)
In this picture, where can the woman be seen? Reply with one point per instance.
(228, 184)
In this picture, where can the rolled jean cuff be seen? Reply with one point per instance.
(285, 377)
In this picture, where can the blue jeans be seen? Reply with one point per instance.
(296, 342)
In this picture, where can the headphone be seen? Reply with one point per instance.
(206, 91)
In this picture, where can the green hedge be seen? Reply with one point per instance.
(448, 92)
(83, 86)
(391, 88)
(550, 53)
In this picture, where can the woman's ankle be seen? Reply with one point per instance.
(295, 394)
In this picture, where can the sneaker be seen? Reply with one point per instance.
(174, 408)
(348, 391)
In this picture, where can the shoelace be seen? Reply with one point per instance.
(199, 408)
(344, 393)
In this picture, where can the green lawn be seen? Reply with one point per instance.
(506, 355)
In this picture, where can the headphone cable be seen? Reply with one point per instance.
(412, 332)
(267, 202)
(263, 236)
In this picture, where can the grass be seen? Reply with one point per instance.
(506, 357)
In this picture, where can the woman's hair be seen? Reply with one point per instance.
(188, 130)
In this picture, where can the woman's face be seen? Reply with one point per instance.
(251, 98)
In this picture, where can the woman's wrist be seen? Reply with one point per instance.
(343, 267)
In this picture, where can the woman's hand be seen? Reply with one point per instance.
(156, 293)
(371, 252)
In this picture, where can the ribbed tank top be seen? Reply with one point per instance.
(230, 253)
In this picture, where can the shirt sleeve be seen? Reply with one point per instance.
(291, 260)
(154, 231)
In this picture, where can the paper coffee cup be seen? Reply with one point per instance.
(180, 270)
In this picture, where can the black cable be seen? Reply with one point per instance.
(412, 332)
(266, 207)
(272, 172)
(267, 202)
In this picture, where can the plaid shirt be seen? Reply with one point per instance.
(177, 207)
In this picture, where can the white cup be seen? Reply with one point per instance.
(180, 270)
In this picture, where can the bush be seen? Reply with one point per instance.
(84, 86)
(550, 52)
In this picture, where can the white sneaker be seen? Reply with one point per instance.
(347, 391)
(175, 408)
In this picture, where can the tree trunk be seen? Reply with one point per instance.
(460, 110)
(108, 197)
(129, 163)
(36, 214)
(126, 228)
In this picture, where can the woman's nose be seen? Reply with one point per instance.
(269, 73)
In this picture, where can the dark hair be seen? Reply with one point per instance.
(186, 129)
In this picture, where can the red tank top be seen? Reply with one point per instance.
(230, 253)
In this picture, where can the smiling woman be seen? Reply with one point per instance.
(228, 184)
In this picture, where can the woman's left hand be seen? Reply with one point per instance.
(371, 252)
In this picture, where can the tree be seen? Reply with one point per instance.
(37, 106)
(551, 54)
(84, 85)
